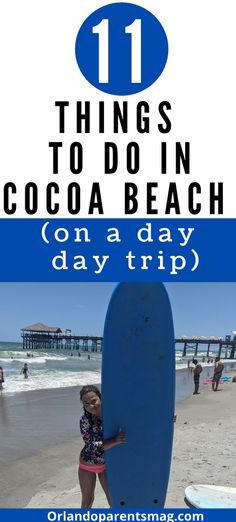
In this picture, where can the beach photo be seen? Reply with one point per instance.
(51, 347)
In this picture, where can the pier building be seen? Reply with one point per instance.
(39, 336)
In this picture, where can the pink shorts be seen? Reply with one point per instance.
(96, 468)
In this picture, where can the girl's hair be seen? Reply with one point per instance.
(90, 388)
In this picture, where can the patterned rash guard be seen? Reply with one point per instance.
(91, 430)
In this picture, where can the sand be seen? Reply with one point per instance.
(204, 452)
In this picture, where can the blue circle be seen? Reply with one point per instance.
(152, 59)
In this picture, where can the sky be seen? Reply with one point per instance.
(199, 309)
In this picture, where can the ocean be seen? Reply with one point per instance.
(47, 369)
(65, 368)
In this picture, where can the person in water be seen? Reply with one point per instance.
(92, 461)
(25, 371)
(1, 378)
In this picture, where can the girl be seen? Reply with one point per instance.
(91, 462)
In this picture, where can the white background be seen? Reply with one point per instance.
(38, 66)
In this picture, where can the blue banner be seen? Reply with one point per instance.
(112, 515)
(117, 250)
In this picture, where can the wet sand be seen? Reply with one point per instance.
(31, 421)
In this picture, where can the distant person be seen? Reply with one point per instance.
(91, 461)
(25, 371)
(1, 378)
(217, 373)
(197, 370)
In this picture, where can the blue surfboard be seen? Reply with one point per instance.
(138, 393)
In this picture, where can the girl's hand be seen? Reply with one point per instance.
(120, 437)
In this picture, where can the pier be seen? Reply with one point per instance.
(226, 346)
(39, 336)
